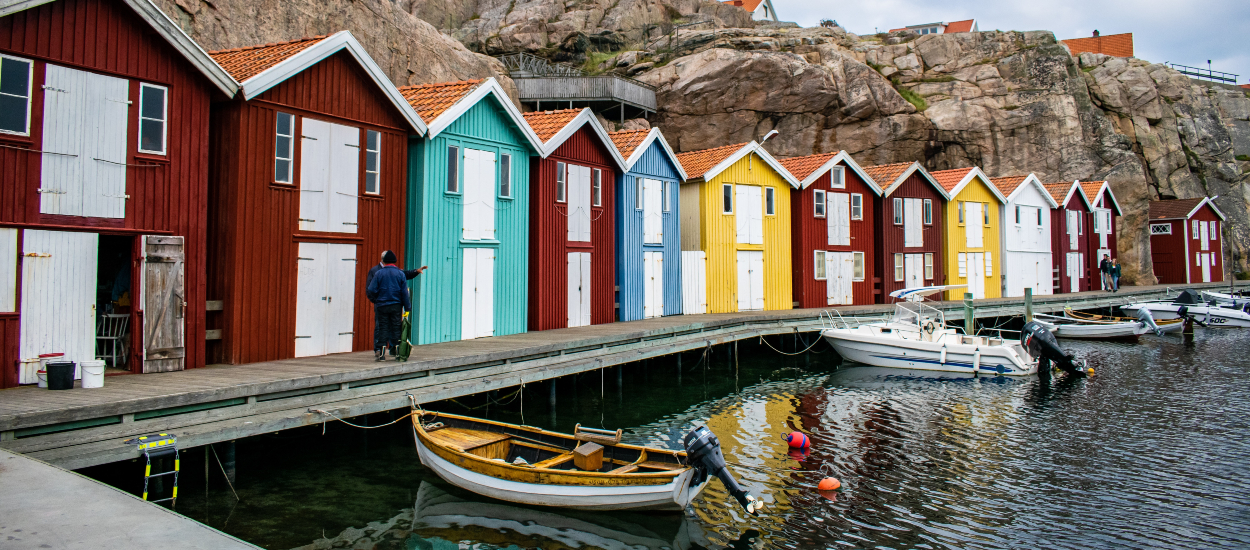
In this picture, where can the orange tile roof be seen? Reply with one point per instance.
(1177, 208)
(1118, 45)
(1008, 184)
(549, 123)
(697, 163)
(1246, 86)
(1091, 188)
(802, 167)
(431, 100)
(749, 5)
(885, 174)
(948, 179)
(959, 26)
(244, 63)
(1058, 191)
(628, 140)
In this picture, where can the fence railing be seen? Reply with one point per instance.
(1199, 72)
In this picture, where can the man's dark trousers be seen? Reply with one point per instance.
(388, 323)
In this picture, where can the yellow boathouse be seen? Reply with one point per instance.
(971, 239)
(735, 230)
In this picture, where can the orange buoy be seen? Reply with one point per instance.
(829, 484)
(1091, 371)
(797, 440)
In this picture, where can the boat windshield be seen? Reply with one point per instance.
(917, 314)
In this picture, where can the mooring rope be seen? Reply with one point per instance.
(355, 425)
(765, 341)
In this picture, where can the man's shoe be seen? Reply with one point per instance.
(378, 355)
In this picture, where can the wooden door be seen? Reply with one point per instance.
(314, 176)
(164, 304)
(750, 280)
(8, 269)
(973, 224)
(694, 282)
(1204, 261)
(913, 270)
(757, 280)
(976, 274)
(653, 284)
(1074, 271)
(1074, 228)
(310, 299)
(478, 294)
(578, 205)
(478, 204)
(58, 296)
(839, 219)
(839, 270)
(340, 290)
(344, 181)
(64, 138)
(579, 289)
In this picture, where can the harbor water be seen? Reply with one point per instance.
(1151, 452)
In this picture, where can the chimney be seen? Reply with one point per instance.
(1095, 33)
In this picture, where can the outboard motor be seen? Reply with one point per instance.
(1148, 320)
(1042, 345)
(703, 451)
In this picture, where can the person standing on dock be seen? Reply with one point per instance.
(387, 288)
(1115, 275)
(409, 274)
(1104, 267)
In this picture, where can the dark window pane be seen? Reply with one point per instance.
(729, 198)
(284, 148)
(374, 139)
(152, 104)
(152, 135)
(12, 114)
(453, 169)
(282, 171)
(505, 176)
(371, 182)
(371, 162)
(284, 124)
(14, 77)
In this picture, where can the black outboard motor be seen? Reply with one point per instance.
(703, 452)
(1042, 345)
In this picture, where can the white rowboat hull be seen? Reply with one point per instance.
(1108, 331)
(1219, 317)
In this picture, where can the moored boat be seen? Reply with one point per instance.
(1209, 313)
(1067, 327)
(1165, 326)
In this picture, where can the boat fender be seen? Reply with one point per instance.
(943, 359)
(976, 360)
(797, 440)
(703, 452)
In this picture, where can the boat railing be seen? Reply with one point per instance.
(840, 322)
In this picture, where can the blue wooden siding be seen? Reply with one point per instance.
(435, 225)
(654, 164)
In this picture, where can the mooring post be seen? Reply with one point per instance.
(227, 462)
(969, 315)
(679, 369)
(1028, 304)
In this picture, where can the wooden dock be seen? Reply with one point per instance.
(80, 428)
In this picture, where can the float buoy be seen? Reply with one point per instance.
(829, 484)
(797, 440)
(1091, 371)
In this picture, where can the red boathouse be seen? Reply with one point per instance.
(1104, 211)
(1185, 243)
(909, 227)
(1069, 246)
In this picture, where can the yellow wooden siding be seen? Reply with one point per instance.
(718, 238)
(955, 242)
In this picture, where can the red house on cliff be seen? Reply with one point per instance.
(309, 171)
(572, 258)
(1185, 244)
(908, 233)
(1069, 246)
(833, 214)
(103, 178)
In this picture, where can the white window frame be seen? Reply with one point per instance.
(989, 264)
(377, 165)
(898, 211)
(898, 267)
(30, 84)
(667, 186)
(820, 272)
(985, 212)
(962, 267)
(164, 120)
(562, 182)
(1039, 217)
(1214, 229)
(1194, 226)
(278, 135)
(596, 188)
(928, 266)
(453, 170)
(1166, 226)
(837, 177)
(770, 201)
(638, 192)
(857, 206)
(727, 198)
(505, 175)
(1017, 214)
(928, 212)
(961, 212)
(819, 206)
(858, 269)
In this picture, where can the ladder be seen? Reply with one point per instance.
(158, 446)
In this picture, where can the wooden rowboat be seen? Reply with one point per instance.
(1165, 325)
(590, 469)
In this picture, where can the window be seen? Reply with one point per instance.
(985, 212)
(857, 206)
(928, 266)
(668, 188)
(1214, 231)
(15, 77)
(152, 115)
(818, 208)
(505, 175)
(1080, 225)
(838, 177)
(373, 160)
(1017, 214)
(820, 266)
(898, 267)
(638, 193)
(453, 169)
(561, 175)
(961, 211)
(769, 200)
(1160, 229)
(898, 211)
(728, 191)
(1194, 226)
(928, 211)
(858, 273)
(1039, 217)
(597, 191)
(284, 148)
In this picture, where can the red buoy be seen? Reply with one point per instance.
(829, 484)
(797, 440)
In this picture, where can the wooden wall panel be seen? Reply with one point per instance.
(810, 234)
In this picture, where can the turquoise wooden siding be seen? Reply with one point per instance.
(435, 224)
(654, 164)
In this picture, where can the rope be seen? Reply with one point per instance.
(354, 425)
(223, 474)
(765, 341)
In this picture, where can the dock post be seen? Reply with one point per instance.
(969, 315)
(678, 369)
(227, 462)
(1028, 304)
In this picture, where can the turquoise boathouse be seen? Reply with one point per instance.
(468, 211)
(648, 226)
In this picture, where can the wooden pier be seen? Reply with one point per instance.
(80, 428)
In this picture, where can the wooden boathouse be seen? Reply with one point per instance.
(909, 228)
(648, 226)
(1025, 226)
(1069, 246)
(309, 188)
(833, 230)
(103, 142)
(1185, 243)
(572, 200)
(971, 240)
(1102, 232)
(468, 211)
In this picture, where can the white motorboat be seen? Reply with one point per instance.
(917, 338)
(1211, 315)
(1079, 329)
(1236, 301)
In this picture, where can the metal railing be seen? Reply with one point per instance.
(529, 65)
(1199, 72)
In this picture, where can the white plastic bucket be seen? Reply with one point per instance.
(92, 374)
(42, 375)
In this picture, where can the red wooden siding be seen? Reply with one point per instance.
(1060, 248)
(549, 244)
(1216, 246)
(890, 237)
(1168, 253)
(810, 234)
(107, 37)
(252, 259)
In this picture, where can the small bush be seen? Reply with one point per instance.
(913, 98)
(1243, 158)
(947, 78)
(594, 59)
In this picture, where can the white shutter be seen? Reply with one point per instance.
(989, 264)
(485, 290)
(468, 288)
(973, 224)
(340, 297)
(846, 277)
(652, 203)
(742, 220)
(583, 200)
(344, 178)
(585, 257)
(647, 274)
(469, 201)
(58, 296)
(104, 166)
(963, 264)
(487, 174)
(310, 299)
(1104, 228)
(744, 279)
(839, 219)
(831, 278)
(8, 269)
(1073, 228)
(694, 282)
(757, 214)
(1204, 235)
(314, 177)
(757, 280)
(571, 204)
(912, 218)
(574, 289)
(64, 138)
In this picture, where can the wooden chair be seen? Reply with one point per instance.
(111, 337)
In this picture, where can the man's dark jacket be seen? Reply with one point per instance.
(389, 286)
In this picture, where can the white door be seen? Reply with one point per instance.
(839, 219)
(839, 271)
(973, 224)
(913, 229)
(579, 289)
(85, 144)
(344, 178)
(58, 296)
(578, 203)
(913, 270)
(329, 177)
(477, 317)
(750, 280)
(340, 297)
(757, 280)
(749, 214)
(164, 304)
(1204, 261)
(652, 217)
(694, 282)
(653, 284)
(1074, 224)
(976, 274)
(1074, 271)
(478, 208)
(325, 299)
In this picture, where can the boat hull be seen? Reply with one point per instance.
(907, 354)
(1218, 317)
(1110, 331)
(671, 496)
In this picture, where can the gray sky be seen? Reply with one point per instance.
(1184, 32)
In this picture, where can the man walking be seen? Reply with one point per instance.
(1105, 268)
(388, 290)
(1115, 275)
(409, 274)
